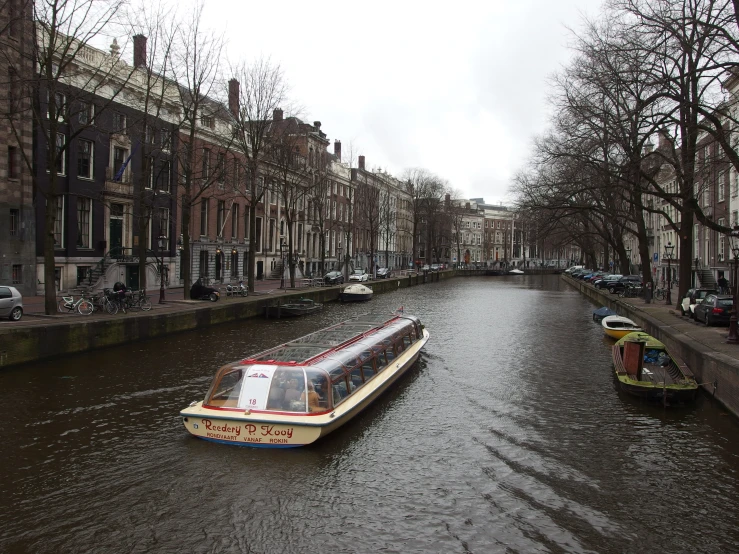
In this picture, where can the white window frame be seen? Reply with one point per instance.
(720, 184)
(84, 201)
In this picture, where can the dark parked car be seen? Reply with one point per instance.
(715, 309)
(384, 273)
(333, 278)
(692, 298)
(607, 280)
(618, 286)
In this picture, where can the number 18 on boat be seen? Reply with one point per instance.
(298, 392)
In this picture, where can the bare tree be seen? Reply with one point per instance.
(56, 83)
(196, 66)
(262, 90)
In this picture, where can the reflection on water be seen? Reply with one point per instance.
(509, 434)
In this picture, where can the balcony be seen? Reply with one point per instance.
(122, 187)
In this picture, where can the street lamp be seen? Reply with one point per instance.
(734, 238)
(628, 258)
(162, 240)
(282, 257)
(669, 247)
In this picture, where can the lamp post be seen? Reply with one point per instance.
(733, 338)
(628, 258)
(161, 241)
(282, 259)
(669, 247)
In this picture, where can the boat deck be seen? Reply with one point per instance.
(655, 373)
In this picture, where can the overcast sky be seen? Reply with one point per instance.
(459, 89)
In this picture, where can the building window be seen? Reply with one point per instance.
(204, 259)
(258, 231)
(59, 105)
(86, 114)
(60, 162)
(84, 216)
(207, 120)
(15, 221)
(204, 217)
(221, 169)
(235, 174)
(166, 139)
(220, 217)
(84, 159)
(17, 274)
(120, 159)
(234, 263)
(234, 221)
(151, 175)
(721, 238)
(13, 167)
(59, 223)
(164, 223)
(119, 122)
(165, 176)
(720, 186)
(206, 163)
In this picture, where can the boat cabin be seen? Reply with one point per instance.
(317, 372)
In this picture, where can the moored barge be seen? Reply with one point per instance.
(298, 392)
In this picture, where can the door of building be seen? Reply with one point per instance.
(260, 270)
(116, 229)
(132, 277)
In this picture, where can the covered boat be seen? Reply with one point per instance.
(645, 368)
(616, 326)
(295, 393)
(600, 313)
(515, 272)
(356, 293)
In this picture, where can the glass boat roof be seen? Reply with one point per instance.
(301, 350)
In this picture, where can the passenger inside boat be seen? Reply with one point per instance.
(314, 401)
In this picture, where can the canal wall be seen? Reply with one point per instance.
(71, 335)
(716, 371)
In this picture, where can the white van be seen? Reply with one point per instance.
(573, 268)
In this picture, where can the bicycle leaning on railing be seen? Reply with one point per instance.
(630, 291)
(69, 305)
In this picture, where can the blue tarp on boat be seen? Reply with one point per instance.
(600, 313)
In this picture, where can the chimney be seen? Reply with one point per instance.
(277, 116)
(317, 125)
(139, 51)
(233, 97)
(337, 149)
(361, 162)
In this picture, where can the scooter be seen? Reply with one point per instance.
(239, 290)
(201, 292)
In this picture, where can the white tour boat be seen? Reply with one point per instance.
(300, 391)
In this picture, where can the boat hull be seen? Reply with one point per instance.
(619, 333)
(284, 430)
(351, 297)
(669, 381)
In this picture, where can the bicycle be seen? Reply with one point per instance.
(660, 293)
(82, 306)
(112, 302)
(138, 300)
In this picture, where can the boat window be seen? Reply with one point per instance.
(284, 390)
(225, 392)
(368, 369)
(399, 345)
(407, 340)
(356, 376)
(319, 380)
(390, 355)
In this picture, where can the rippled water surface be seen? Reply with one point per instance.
(507, 436)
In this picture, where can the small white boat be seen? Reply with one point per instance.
(617, 327)
(356, 293)
(515, 272)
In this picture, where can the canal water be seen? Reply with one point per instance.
(509, 435)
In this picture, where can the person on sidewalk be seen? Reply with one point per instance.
(723, 285)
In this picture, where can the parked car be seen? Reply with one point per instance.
(692, 298)
(573, 268)
(333, 278)
(435, 267)
(384, 273)
(607, 280)
(427, 267)
(715, 309)
(359, 275)
(11, 303)
(618, 286)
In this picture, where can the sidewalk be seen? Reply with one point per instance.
(174, 300)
